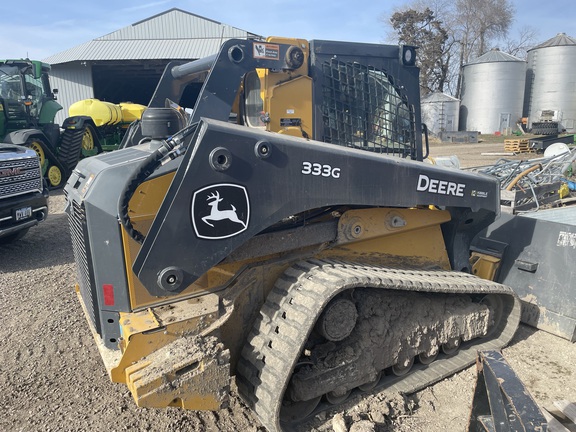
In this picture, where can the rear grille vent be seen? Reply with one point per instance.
(79, 234)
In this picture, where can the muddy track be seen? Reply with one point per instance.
(302, 293)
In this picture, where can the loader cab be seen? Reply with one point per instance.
(358, 107)
(364, 96)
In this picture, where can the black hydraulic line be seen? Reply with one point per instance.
(171, 149)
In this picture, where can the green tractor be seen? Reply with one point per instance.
(27, 110)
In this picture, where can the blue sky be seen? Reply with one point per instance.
(40, 28)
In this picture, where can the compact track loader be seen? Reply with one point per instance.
(284, 233)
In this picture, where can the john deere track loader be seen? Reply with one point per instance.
(284, 232)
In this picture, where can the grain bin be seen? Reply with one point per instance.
(440, 112)
(492, 93)
(551, 83)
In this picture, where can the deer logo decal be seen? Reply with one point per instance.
(220, 211)
(216, 214)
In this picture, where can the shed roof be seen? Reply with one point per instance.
(494, 56)
(173, 34)
(561, 39)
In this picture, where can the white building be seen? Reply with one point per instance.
(126, 65)
(440, 112)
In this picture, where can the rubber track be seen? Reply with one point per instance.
(301, 293)
(70, 148)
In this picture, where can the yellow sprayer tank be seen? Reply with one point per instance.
(131, 111)
(106, 113)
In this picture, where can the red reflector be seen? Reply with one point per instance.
(108, 294)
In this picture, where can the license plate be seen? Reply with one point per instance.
(23, 213)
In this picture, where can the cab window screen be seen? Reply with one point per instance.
(362, 108)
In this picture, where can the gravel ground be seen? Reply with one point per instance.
(52, 378)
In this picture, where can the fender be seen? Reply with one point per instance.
(48, 111)
(20, 137)
(77, 122)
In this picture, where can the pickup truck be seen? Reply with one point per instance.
(23, 192)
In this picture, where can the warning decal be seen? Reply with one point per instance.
(566, 239)
(266, 51)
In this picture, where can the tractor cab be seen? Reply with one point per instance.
(26, 99)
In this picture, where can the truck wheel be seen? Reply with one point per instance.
(13, 237)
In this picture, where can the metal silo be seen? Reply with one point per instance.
(551, 83)
(492, 93)
(440, 112)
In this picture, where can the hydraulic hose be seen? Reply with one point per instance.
(521, 175)
(172, 148)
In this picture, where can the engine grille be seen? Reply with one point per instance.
(79, 235)
(20, 176)
(363, 108)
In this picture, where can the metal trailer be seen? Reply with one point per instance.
(541, 143)
(538, 252)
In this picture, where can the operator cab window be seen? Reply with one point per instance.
(10, 85)
(254, 105)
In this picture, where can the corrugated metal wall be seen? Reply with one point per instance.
(440, 112)
(552, 82)
(74, 83)
(492, 95)
(174, 34)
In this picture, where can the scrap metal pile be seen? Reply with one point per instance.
(536, 183)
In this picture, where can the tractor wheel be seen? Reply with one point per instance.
(54, 176)
(36, 145)
(88, 139)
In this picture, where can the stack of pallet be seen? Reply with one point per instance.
(517, 146)
(561, 419)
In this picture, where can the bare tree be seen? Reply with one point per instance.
(478, 25)
(519, 47)
(422, 29)
(471, 27)
(481, 22)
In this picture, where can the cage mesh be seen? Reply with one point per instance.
(362, 108)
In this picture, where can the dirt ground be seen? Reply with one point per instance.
(52, 378)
